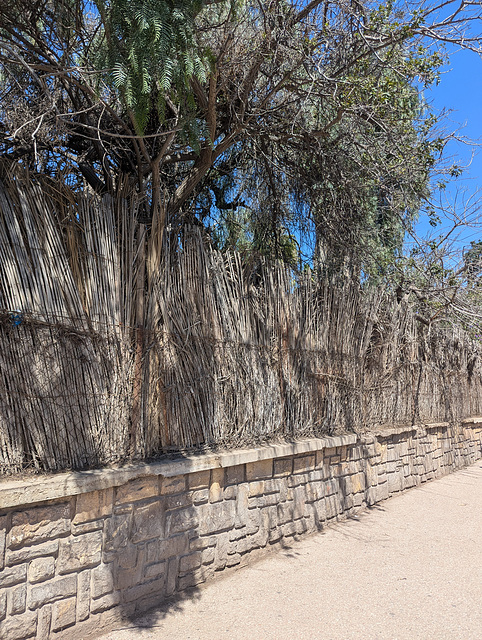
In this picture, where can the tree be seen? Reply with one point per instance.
(309, 107)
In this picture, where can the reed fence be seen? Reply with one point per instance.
(115, 346)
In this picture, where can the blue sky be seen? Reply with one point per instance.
(460, 91)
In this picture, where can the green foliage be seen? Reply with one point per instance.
(150, 52)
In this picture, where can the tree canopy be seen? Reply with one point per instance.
(266, 122)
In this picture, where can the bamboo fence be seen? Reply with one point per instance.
(111, 349)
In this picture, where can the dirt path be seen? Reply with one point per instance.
(409, 569)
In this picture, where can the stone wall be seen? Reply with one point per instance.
(81, 551)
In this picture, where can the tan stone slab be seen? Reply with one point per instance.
(14, 493)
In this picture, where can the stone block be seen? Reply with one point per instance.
(288, 529)
(178, 500)
(273, 485)
(93, 506)
(13, 575)
(143, 590)
(3, 603)
(235, 475)
(320, 458)
(128, 558)
(332, 486)
(298, 479)
(28, 553)
(80, 552)
(216, 517)
(191, 562)
(20, 627)
(116, 532)
(3, 539)
(200, 496)
(87, 527)
(172, 576)
(125, 578)
(358, 501)
(315, 491)
(148, 522)
(38, 524)
(41, 569)
(217, 485)
(63, 614)
(303, 464)
(106, 602)
(230, 493)
(192, 579)
(156, 570)
(83, 595)
(208, 555)
(319, 512)
(182, 520)
(299, 500)
(378, 493)
(285, 512)
(198, 544)
(233, 560)
(176, 484)
(162, 549)
(102, 580)
(221, 551)
(283, 467)
(52, 590)
(259, 470)
(199, 479)
(256, 489)
(44, 621)
(138, 489)
(394, 482)
(343, 453)
(358, 482)
(17, 599)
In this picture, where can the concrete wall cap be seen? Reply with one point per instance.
(36, 489)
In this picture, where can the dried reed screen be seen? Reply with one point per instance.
(111, 348)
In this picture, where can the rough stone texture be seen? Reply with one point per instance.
(260, 469)
(235, 475)
(63, 613)
(39, 524)
(93, 505)
(283, 467)
(3, 537)
(44, 621)
(148, 522)
(139, 489)
(83, 595)
(3, 604)
(20, 627)
(52, 590)
(176, 484)
(80, 552)
(41, 569)
(217, 485)
(13, 575)
(199, 479)
(102, 580)
(28, 553)
(17, 599)
(128, 547)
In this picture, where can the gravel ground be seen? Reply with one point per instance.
(410, 568)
